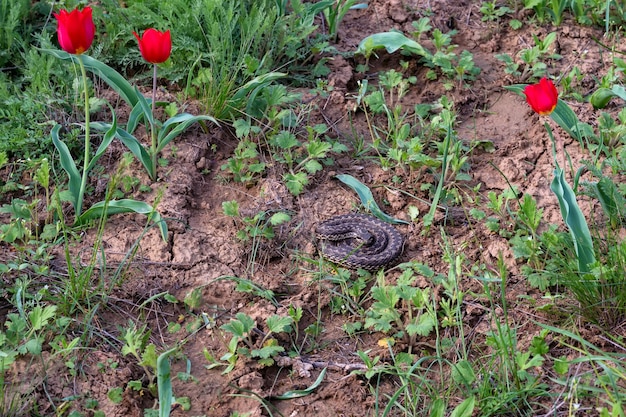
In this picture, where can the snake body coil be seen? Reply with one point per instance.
(359, 241)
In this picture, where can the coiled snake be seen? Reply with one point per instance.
(359, 241)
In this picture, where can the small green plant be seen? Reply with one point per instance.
(303, 158)
(492, 11)
(13, 15)
(260, 225)
(245, 165)
(336, 10)
(444, 61)
(385, 315)
(530, 64)
(552, 8)
(244, 343)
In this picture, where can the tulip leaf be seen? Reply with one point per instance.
(516, 88)
(391, 41)
(367, 199)
(575, 221)
(164, 383)
(131, 142)
(68, 164)
(565, 117)
(145, 107)
(601, 97)
(260, 81)
(108, 74)
(106, 141)
(136, 115)
(176, 125)
(124, 206)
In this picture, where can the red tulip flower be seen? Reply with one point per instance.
(155, 46)
(542, 96)
(75, 30)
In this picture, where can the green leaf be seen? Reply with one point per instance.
(295, 182)
(116, 395)
(149, 356)
(318, 149)
(601, 97)
(278, 324)
(177, 125)
(135, 385)
(33, 346)
(106, 141)
(565, 117)
(124, 206)
(367, 198)
(279, 218)
(465, 409)
(561, 365)
(290, 395)
(39, 316)
(438, 408)
(424, 326)
(391, 41)
(285, 140)
(575, 221)
(462, 373)
(164, 383)
(135, 116)
(239, 326)
(132, 143)
(230, 208)
(312, 166)
(108, 74)
(267, 352)
(68, 164)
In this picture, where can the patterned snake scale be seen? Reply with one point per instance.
(359, 241)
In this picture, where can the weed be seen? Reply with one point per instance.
(13, 29)
(303, 159)
(335, 12)
(444, 61)
(244, 165)
(243, 327)
(385, 315)
(530, 65)
(493, 12)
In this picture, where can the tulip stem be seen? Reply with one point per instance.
(154, 130)
(83, 181)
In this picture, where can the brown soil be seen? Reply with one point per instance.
(202, 245)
